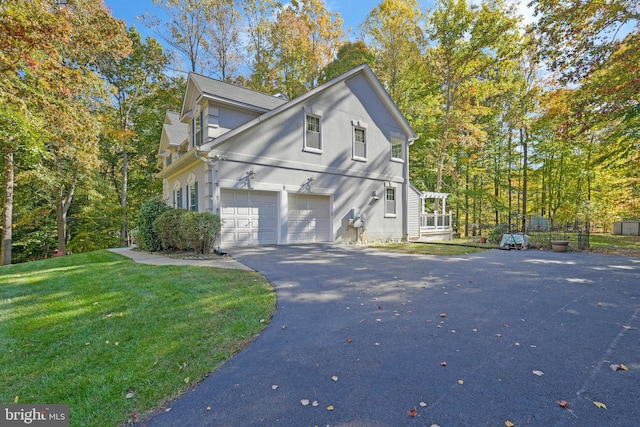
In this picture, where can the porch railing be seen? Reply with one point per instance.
(435, 221)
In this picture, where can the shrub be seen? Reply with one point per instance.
(167, 228)
(185, 230)
(495, 235)
(146, 238)
(200, 230)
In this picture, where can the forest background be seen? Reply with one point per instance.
(514, 120)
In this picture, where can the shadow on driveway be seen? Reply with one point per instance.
(361, 335)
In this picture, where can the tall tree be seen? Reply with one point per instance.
(577, 36)
(393, 32)
(46, 61)
(350, 55)
(468, 43)
(132, 79)
(223, 38)
(304, 39)
(259, 45)
(185, 31)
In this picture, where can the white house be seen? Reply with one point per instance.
(328, 166)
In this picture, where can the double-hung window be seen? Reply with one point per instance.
(312, 133)
(397, 148)
(359, 142)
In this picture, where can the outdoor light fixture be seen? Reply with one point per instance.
(375, 196)
(251, 175)
(310, 183)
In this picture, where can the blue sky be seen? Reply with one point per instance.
(353, 12)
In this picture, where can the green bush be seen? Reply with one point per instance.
(495, 235)
(146, 238)
(167, 228)
(200, 230)
(185, 230)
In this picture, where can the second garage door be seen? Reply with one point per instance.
(309, 218)
(249, 218)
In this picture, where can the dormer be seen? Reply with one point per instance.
(211, 108)
(173, 138)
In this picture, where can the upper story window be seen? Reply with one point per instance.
(198, 129)
(359, 142)
(397, 148)
(312, 133)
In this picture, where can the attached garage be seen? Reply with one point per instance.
(249, 218)
(309, 218)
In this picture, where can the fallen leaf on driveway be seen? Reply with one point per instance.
(460, 382)
(627, 327)
(314, 403)
(599, 304)
(274, 387)
(620, 367)
(443, 314)
(349, 340)
(443, 363)
(538, 373)
(498, 335)
(509, 423)
(423, 404)
(334, 378)
(600, 405)
(330, 408)
(413, 412)
(304, 402)
(563, 403)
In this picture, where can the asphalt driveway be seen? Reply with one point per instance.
(361, 335)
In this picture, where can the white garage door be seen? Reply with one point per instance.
(309, 219)
(248, 217)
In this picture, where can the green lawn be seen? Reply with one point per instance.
(114, 339)
(441, 248)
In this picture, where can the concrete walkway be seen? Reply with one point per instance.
(153, 259)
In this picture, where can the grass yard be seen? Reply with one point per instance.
(441, 248)
(114, 339)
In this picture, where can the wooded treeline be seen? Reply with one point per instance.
(513, 120)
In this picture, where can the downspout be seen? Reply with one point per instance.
(405, 193)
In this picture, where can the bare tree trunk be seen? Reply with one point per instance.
(123, 200)
(7, 209)
(62, 207)
(524, 138)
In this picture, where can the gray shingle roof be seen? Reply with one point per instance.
(236, 94)
(175, 130)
